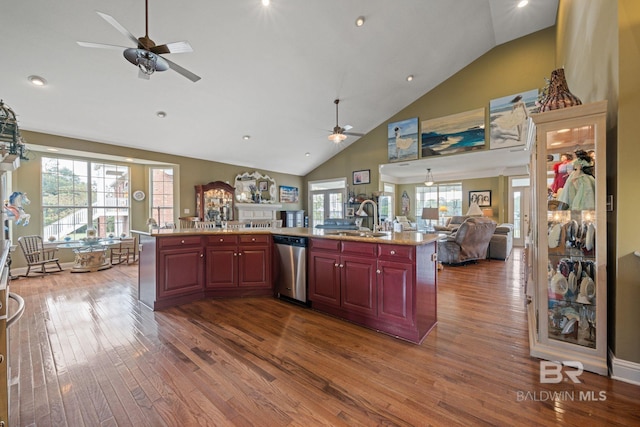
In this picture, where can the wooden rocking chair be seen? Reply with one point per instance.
(125, 251)
(35, 253)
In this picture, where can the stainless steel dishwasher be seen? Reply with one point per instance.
(291, 269)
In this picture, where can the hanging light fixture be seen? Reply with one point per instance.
(337, 136)
(428, 181)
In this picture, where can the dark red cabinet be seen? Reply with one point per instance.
(238, 261)
(358, 284)
(324, 277)
(395, 292)
(387, 287)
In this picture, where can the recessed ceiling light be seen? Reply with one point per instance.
(307, 154)
(37, 80)
(161, 114)
(359, 21)
(523, 3)
(266, 2)
(246, 137)
(410, 77)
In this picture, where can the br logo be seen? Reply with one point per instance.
(552, 373)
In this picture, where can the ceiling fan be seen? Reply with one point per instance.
(146, 56)
(339, 133)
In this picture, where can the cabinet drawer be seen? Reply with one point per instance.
(255, 238)
(177, 241)
(397, 252)
(359, 248)
(223, 239)
(325, 244)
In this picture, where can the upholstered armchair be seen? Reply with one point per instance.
(468, 243)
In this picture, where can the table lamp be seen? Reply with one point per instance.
(430, 214)
(474, 210)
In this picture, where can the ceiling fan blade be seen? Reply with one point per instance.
(101, 45)
(175, 47)
(111, 20)
(183, 71)
(353, 133)
(347, 127)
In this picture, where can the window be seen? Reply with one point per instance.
(80, 194)
(446, 197)
(162, 195)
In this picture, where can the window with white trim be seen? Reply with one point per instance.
(446, 197)
(81, 194)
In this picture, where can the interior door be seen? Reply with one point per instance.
(326, 204)
(519, 196)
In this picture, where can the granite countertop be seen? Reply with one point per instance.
(402, 238)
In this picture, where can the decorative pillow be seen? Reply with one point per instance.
(402, 219)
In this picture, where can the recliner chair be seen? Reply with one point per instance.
(468, 243)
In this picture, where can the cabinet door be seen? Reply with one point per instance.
(253, 266)
(324, 277)
(358, 279)
(180, 272)
(222, 267)
(395, 292)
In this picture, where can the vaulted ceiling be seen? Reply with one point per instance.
(271, 73)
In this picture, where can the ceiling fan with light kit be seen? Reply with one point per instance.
(340, 133)
(146, 56)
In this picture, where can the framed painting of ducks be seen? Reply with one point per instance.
(402, 140)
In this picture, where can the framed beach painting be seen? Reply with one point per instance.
(402, 140)
(508, 124)
(456, 133)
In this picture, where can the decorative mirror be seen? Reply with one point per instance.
(255, 188)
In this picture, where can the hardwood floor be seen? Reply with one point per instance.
(86, 353)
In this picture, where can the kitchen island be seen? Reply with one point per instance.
(382, 281)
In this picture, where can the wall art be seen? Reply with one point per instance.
(362, 177)
(289, 194)
(453, 134)
(508, 124)
(402, 140)
(482, 198)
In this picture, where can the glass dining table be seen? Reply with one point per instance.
(90, 254)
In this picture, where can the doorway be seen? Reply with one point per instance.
(327, 200)
(519, 205)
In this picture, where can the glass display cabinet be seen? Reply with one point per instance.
(567, 293)
(214, 201)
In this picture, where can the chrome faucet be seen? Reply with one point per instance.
(362, 212)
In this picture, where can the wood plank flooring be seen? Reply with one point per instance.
(86, 353)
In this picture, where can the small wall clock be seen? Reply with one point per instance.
(138, 195)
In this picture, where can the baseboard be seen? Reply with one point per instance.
(624, 370)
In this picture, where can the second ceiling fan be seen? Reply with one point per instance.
(340, 133)
(146, 56)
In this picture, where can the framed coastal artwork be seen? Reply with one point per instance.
(402, 140)
(289, 194)
(508, 124)
(452, 134)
